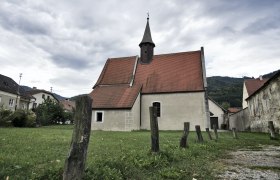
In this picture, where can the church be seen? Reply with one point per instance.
(127, 86)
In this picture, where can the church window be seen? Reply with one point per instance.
(99, 116)
(157, 105)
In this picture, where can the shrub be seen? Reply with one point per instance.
(19, 118)
(30, 119)
(5, 117)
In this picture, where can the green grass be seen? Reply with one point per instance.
(39, 153)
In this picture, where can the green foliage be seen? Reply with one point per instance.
(5, 117)
(19, 118)
(226, 90)
(39, 153)
(30, 119)
(49, 112)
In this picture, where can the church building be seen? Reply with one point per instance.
(127, 86)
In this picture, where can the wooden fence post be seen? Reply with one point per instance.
(272, 130)
(215, 131)
(208, 132)
(75, 162)
(154, 129)
(234, 133)
(198, 132)
(184, 138)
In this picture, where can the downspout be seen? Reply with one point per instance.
(207, 123)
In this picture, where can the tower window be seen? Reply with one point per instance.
(157, 105)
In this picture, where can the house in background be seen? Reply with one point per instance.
(67, 105)
(250, 86)
(12, 96)
(264, 105)
(218, 115)
(174, 83)
(40, 96)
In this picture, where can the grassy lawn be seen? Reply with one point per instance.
(39, 153)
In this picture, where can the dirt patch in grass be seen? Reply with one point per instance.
(262, 163)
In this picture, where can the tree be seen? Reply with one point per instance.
(49, 112)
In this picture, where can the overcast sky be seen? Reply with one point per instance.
(64, 44)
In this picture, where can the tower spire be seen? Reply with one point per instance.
(147, 45)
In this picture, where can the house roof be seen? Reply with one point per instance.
(117, 71)
(275, 76)
(109, 97)
(234, 109)
(7, 84)
(36, 91)
(166, 73)
(177, 72)
(254, 84)
(67, 104)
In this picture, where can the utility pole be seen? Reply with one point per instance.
(51, 89)
(20, 75)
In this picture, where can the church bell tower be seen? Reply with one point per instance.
(147, 45)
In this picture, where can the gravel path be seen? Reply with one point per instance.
(263, 163)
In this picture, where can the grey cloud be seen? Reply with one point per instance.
(72, 79)
(70, 61)
(264, 24)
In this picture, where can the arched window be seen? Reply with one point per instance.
(157, 105)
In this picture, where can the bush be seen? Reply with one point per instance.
(30, 119)
(19, 118)
(5, 119)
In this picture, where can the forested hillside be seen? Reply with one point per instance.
(227, 91)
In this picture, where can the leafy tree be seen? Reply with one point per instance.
(49, 112)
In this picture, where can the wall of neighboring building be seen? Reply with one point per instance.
(244, 96)
(240, 120)
(176, 108)
(217, 112)
(264, 106)
(118, 120)
(39, 99)
(6, 99)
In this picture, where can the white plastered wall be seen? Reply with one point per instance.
(176, 108)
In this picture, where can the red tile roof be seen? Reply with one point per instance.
(178, 72)
(254, 84)
(68, 105)
(117, 71)
(234, 109)
(119, 96)
(167, 73)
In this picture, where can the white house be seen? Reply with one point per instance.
(128, 86)
(12, 96)
(217, 114)
(40, 96)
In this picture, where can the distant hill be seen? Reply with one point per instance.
(228, 91)
(57, 96)
(74, 98)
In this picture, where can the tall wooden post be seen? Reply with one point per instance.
(198, 132)
(184, 138)
(154, 129)
(234, 133)
(75, 162)
(272, 130)
(208, 132)
(215, 131)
